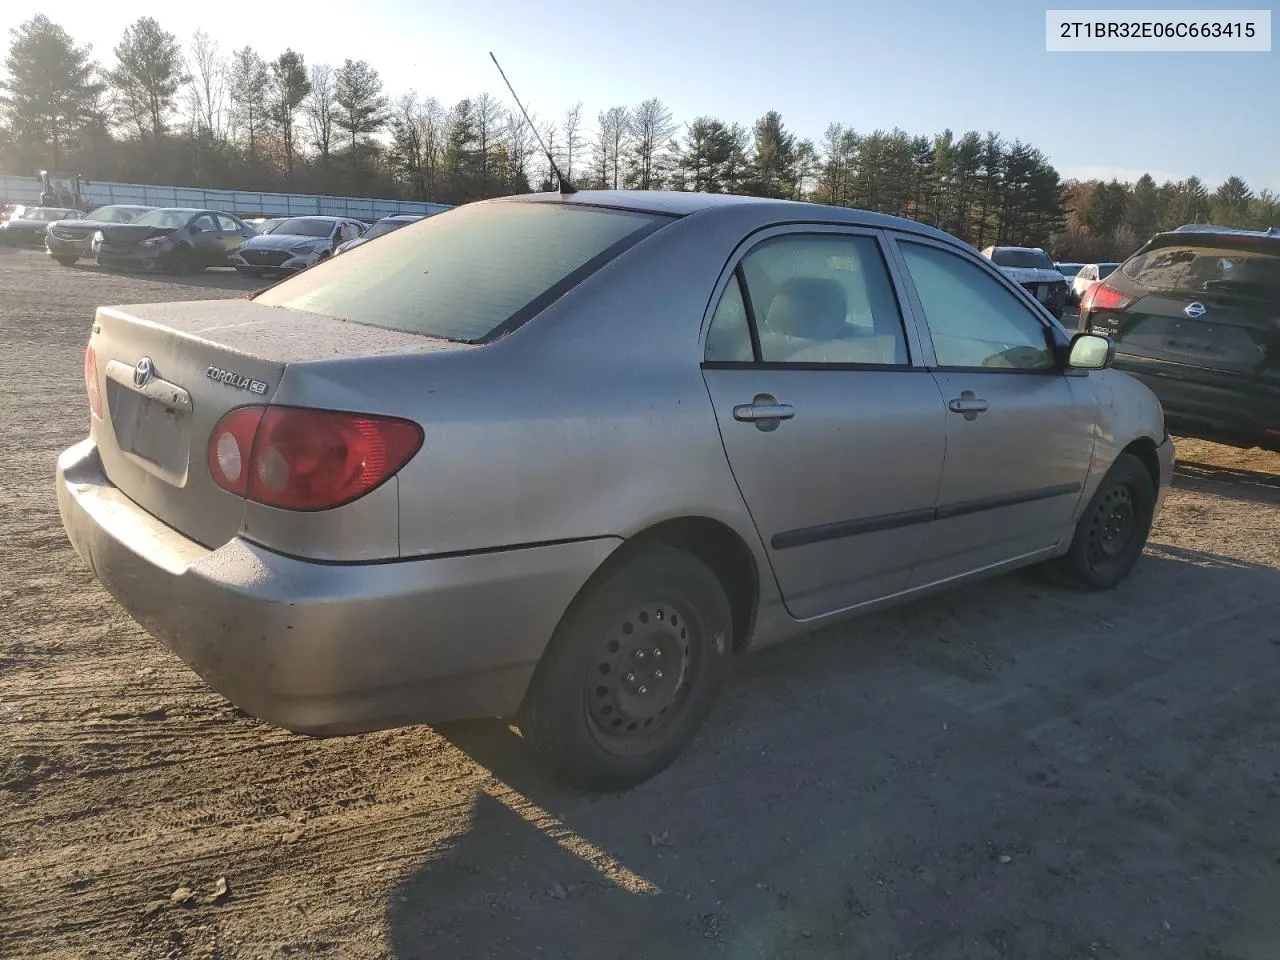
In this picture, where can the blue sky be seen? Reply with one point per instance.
(923, 66)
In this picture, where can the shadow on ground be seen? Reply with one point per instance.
(1009, 771)
(1234, 483)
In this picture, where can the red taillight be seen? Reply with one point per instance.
(91, 382)
(1101, 297)
(231, 448)
(299, 459)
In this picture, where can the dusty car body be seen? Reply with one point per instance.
(70, 240)
(564, 456)
(172, 239)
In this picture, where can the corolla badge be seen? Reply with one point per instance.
(1196, 309)
(144, 372)
(238, 381)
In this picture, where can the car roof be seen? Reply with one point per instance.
(318, 216)
(681, 204)
(403, 216)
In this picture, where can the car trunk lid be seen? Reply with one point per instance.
(169, 372)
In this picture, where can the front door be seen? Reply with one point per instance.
(205, 241)
(834, 436)
(1019, 429)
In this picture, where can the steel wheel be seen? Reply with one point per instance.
(1113, 529)
(633, 670)
(644, 666)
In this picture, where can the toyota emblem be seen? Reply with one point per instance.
(144, 372)
(1195, 310)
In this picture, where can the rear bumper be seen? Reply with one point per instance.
(327, 649)
(1230, 407)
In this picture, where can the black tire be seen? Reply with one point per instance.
(67, 261)
(1113, 530)
(182, 261)
(601, 710)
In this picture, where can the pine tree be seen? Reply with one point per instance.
(249, 84)
(147, 77)
(50, 95)
(774, 160)
(361, 107)
(289, 88)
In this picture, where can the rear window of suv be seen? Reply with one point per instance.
(1032, 259)
(469, 274)
(1207, 268)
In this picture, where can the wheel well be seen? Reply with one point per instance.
(722, 551)
(1144, 449)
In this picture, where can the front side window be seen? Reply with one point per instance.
(205, 223)
(471, 273)
(227, 225)
(973, 321)
(823, 298)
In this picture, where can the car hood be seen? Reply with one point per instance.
(280, 241)
(1032, 275)
(133, 233)
(22, 224)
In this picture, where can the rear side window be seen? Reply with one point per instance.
(1206, 268)
(227, 225)
(469, 274)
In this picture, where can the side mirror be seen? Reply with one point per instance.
(1091, 351)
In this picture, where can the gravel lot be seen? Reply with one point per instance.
(1006, 771)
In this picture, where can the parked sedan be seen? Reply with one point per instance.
(565, 457)
(295, 244)
(27, 229)
(69, 240)
(1195, 315)
(177, 239)
(380, 229)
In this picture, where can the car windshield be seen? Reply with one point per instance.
(171, 219)
(1033, 259)
(304, 227)
(1070, 269)
(115, 214)
(470, 274)
(383, 227)
(1207, 268)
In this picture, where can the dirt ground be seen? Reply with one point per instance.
(1006, 771)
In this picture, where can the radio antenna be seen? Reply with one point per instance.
(565, 186)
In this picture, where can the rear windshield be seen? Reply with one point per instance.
(469, 274)
(1022, 258)
(303, 227)
(46, 213)
(1070, 269)
(1207, 268)
(1106, 269)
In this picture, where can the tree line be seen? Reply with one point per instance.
(193, 114)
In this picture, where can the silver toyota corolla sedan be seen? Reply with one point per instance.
(564, 457)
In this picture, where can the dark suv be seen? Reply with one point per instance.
(1195, 315)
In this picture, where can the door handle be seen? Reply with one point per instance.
(969, 404)
(749, 412)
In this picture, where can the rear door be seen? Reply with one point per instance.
(833, 431)
(206, 240)
(1198, 320)
(230, 236)
(1019, 430)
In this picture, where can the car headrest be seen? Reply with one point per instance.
(814, 308)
